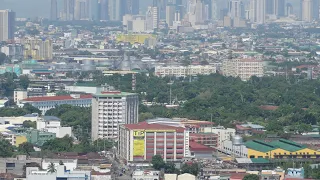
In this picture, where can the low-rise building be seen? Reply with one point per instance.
(48, 102)
(33, 173)
(145, 175)
(13, 138)
(15, 165)
(139, 142)
(242, 68)
(224, 134)
(184, 71)
(70, 164)
(207, 139)
(52, 124)
(6, 122)
(38, 138)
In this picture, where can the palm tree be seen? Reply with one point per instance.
(51, 168)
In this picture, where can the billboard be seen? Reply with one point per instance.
(138, 147)
(138, 133)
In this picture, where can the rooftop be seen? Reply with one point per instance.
(194, 146)
(146, 126)
(281, 143)
(51, 118)
(58, 98)
(113, 94)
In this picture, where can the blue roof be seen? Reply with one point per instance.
(254, 126)
(51, 118)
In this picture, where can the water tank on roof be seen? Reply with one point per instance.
(237, 140)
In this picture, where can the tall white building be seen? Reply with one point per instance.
(170, 14)
(307, 8)
(109, 110)
(7, 25)
(197, 13)
(243, 68)
(152, 18)
(235, 8)
(261, 11)
(82, 10)
(116, 9)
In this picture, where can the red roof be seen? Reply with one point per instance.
(269, 107)
(145, 126)
(238, 175)
(198, 147)
(58, 98)
(239, 127)
(203, 135)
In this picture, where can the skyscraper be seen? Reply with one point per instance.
(170, 14)
(82, 10)
(7, 25)
(116, 9)
(236, 9)
(68, 10)
(307, 10)
(95, 10)
(261, 11)
(132, 7)
(54, 10)
(279, 8)
(104, 10)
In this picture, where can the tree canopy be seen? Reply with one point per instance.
(6, 149)
(251, 177)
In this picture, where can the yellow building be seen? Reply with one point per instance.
(135, 38)
(20, 139)
(280, 149)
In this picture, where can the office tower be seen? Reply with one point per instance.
(111, 109)
(307, 10)
(95, 11)
(170, 14)
(38, 49)
(104, 10)
(315, 9)
(279, 8)
(116, 9)
(54, 10)
(132, 7)
(261, 11)
(253, 11)
(82, 10)
(68, 10)
(236, 9)
(7, 25)
(152, 18)
(270, 4)
(162, 8)
(197, 13)
(214, 10)
(289, 9)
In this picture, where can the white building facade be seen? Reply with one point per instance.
(52, 124)
(243, 68)
(184, 71)
(109, 110)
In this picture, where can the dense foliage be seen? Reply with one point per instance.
(79, 118)
(227, 99)
(16, 111)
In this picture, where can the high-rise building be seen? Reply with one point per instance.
(236, 9)
(170, 14)
(82, 10)
(95, 10)
(54, 10)
(270, 4)
(152, 18)
(307, 14)
(279, 8)
(258, 11)
(7, 25)
(104, 10)
(214, 10)
(132, 7)
(38, 49)
(68, 10)
(315, 9)
(197, 13)
(116, 9)
(111, 109)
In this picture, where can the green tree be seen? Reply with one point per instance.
(3, 58)
(251, 177)
(24, 81)
(64, 144)
(31, 109)
(158, 162)
(6, 149)
(29, 124)
(145, 116)
(26, 147)
(52, 168)
(190, 168)
(170, 168)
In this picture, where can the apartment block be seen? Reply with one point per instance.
(109, 110)
(184, 71)
(243, 68)
(39, 49)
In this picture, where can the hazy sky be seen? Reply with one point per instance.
(33, 8)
